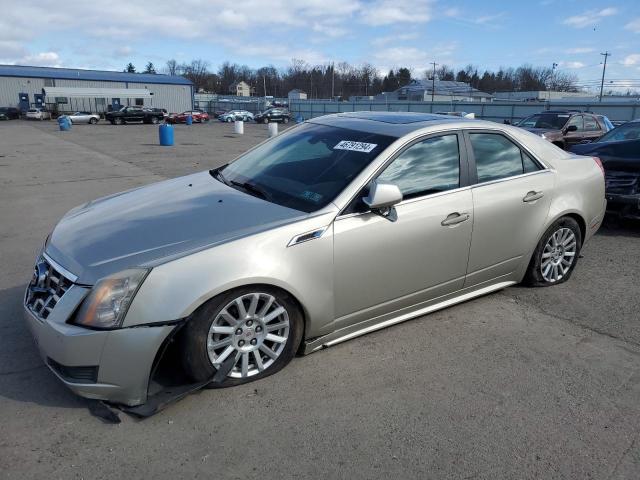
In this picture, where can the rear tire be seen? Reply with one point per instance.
(118, 121)
(154, 120)
(93, 121)
(556, 254)
(263, 339)
(286, 120)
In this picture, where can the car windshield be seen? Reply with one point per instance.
(628, 131)
(305, 168)
(553, 121)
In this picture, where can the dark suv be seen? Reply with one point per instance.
(565, 128)
(273, 115)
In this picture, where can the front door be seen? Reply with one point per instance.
(511, 202)
(417, 253)
(572, 138)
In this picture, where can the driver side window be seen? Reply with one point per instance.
(426, 167)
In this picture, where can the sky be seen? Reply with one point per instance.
(386, 33)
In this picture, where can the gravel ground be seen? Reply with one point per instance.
(525, 383)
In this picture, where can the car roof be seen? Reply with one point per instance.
(396, 124)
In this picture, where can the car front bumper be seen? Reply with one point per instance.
(112, 365)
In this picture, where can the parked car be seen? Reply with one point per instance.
(619, 151)
(341, 226)
(162, 111)
(217, 113)
(38, 114)
(197, 116)
(84, 117)
(565, 128)
(273, 115)
(133, 114)
(233, 115)
(9, 113)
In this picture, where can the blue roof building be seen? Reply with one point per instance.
(93, 90)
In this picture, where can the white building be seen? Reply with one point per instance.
(536, 96)
(240, 89)
(297, 94)
(68, 90)
(445, 90)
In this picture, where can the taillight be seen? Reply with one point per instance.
(599, 163)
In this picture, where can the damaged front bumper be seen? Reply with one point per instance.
(112, 365)
(627, 206)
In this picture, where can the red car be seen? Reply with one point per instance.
(197, 116)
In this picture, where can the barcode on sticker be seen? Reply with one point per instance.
(355, 146)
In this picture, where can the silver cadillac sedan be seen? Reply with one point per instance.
(342, 225)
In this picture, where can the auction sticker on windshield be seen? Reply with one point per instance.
(355, 146)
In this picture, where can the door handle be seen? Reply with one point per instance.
(454, 219)
(533, 196)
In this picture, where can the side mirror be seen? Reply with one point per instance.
(571, 128)
(382, 196)
(507, 122)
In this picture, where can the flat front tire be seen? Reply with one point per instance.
(260, 328)
(556, 254)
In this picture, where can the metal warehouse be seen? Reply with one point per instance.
(67, 90)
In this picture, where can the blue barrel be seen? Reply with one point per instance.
(64, 123)
(166, 135)
(299, 119)
(189, 120)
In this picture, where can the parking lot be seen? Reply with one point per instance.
(524, 383)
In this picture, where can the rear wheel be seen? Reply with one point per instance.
(93, 121)
(229, 120)
(556, 254)
(154, 120)
(265, 120)
(260, 328)
(118, 121)
(285, 119)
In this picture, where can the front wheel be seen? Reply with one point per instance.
(118, 121)
(556, 254)
(154, 120)
(229, 120)
(285, 119)
(93, 121)
(259, 328)
(265, 120)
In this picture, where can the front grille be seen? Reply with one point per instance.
(46, 289)
(75, 374)
(624, 183)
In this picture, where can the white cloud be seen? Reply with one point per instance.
(579, 50)
(633, 25)
(417, 59)
(123, 51)
(590, 17)
(633, 59)
(395, 39)
(488, 19)
(42, 59)
(387, 12)
(572, 64)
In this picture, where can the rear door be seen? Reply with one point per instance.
(511, 199)
(592, 128)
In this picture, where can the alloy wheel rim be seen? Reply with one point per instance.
(558, 255)
(254, 328)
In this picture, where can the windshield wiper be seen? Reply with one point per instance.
(252, 189)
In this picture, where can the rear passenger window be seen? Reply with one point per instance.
(426, 167)
(498, 157)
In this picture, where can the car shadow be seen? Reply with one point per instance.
(614, 226)
(23, 375)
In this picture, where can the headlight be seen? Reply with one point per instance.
(107, 304)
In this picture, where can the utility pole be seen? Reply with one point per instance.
(604, 69)
(264, 85)
(333, 71)
(433, 81)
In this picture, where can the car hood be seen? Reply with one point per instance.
(171, 218)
